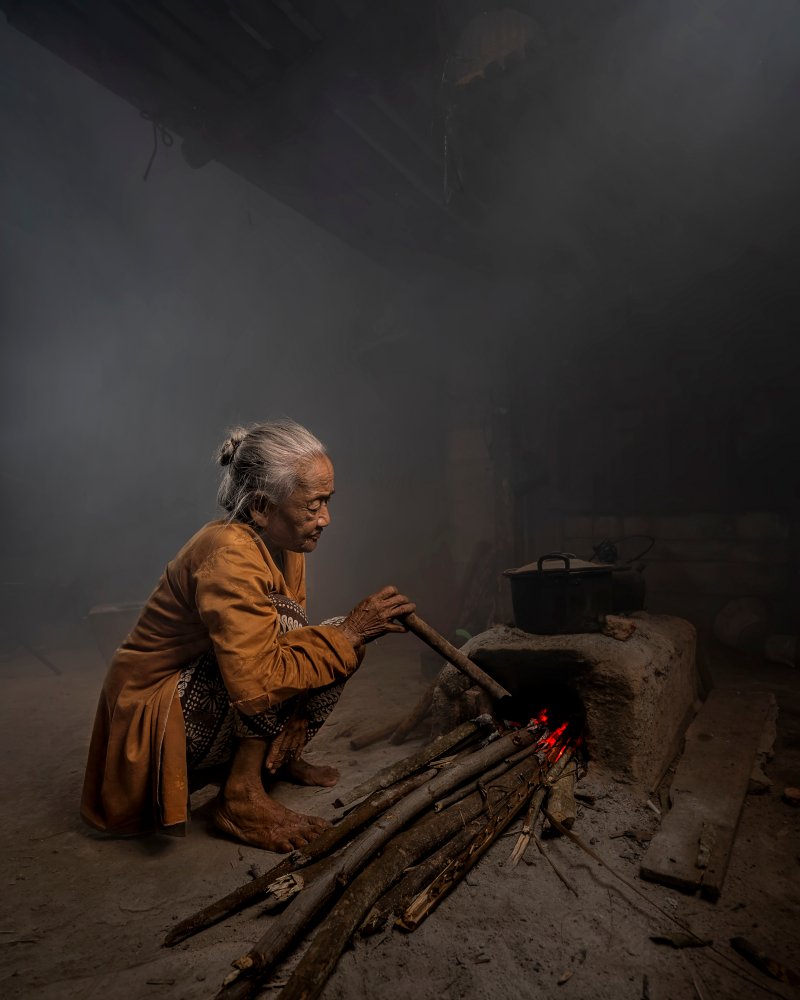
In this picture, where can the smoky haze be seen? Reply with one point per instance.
(639, 224)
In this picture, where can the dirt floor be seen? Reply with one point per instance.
(84, 915)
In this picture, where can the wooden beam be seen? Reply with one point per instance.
(692, 849)
(228, 42)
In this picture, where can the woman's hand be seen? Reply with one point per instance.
(287, 744)
(373, 617)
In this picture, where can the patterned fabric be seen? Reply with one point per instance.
(213, 725)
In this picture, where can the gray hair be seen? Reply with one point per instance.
(263, 465)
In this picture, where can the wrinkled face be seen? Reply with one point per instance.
(296, 524)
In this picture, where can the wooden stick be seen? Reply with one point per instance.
(764, 963)
(535, 805)
(415, 716)
(286, 928)
(317, 964)
(373, 735)
(254, 891)
(422, 630)
(552, 864)
(428, 900)
(386, 794)
(389, 775)
(483, 780)
(720, 958)
(415, 879)
(418, 877)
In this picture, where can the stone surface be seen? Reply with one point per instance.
(637, 695)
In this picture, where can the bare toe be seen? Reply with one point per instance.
(303, 772)
(265, 823)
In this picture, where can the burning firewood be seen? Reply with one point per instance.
(251, 968)
(314, 969)
(500, 816)
(427, 820)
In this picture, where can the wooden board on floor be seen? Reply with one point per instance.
(692, 848)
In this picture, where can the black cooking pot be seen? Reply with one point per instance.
(560, 595)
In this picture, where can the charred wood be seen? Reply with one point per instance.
(285, 929)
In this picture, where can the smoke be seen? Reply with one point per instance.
(637, 237)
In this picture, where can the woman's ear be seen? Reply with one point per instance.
(259, 517)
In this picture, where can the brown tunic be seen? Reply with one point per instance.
(214, 593)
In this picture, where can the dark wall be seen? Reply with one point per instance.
(142, 319)
(635, 311)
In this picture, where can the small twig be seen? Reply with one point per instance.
(552, 864)
(360, 741)
(722, 959)
(703, 994)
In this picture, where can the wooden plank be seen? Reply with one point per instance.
(692, 848)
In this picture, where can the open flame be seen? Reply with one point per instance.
(554, 743)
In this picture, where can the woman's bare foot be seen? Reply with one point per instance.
(299, 770)
(245, 812)
(261, 821)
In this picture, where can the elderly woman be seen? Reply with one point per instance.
(222, 667)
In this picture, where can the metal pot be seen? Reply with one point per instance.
(567, 596)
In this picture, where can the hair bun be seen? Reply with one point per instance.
(229, 447)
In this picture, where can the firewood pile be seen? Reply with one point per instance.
(411, 834)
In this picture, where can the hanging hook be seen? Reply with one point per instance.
(161, 132)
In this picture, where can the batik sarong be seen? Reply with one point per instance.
(214, 725)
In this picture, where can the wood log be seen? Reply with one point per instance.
(285, 929)
(401, 768)
(250, 893)
(316, 965)
(420, 711)
(561, 798)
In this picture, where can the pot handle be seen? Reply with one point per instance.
(565, 556)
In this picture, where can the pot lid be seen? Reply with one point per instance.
(560, 562)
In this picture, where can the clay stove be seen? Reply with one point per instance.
(636, 697)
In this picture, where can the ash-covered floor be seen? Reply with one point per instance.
(84, 915)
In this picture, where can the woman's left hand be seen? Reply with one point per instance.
(376, 615)
(286, 745)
